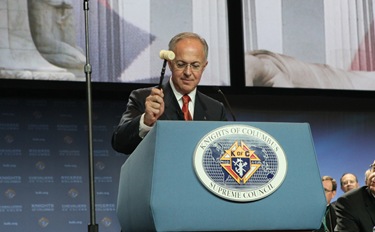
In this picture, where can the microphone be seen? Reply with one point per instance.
(226, 102)
(166, 55)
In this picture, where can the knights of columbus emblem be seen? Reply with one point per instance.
(240, 162)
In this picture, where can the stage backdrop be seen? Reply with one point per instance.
(44, 182)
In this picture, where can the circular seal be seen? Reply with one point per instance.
(240, 163)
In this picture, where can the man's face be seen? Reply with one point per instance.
(348, 183)
(188, 65)
(371, 178)
(330, 193)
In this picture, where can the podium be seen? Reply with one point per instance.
(159, 189)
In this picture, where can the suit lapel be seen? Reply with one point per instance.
(370, 204)
(172, 109)
(200, 110)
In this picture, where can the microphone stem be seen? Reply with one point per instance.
(228, 105)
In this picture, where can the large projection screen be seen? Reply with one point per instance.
(45, 40)
(310, 44)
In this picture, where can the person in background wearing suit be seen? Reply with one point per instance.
(355, 210)
(348, 181)
(147, 105)
(329, 219)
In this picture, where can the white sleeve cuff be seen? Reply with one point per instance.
(143, 128)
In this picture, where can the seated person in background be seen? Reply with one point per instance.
(348, 181)
(146, 106)
(355, 210)
(329, 219)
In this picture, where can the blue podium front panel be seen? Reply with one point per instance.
(161, 190)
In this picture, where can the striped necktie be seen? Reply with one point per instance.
(185, 107)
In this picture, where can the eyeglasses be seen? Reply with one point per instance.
(195, 67)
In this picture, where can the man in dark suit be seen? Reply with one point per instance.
(355, 210)
(329, 218)
(146, 106)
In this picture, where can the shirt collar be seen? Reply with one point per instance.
(178, 95)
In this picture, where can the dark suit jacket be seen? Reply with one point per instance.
(126, 136)
(330, 219)
(355, 211)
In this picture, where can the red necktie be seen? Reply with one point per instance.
(185, 107)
